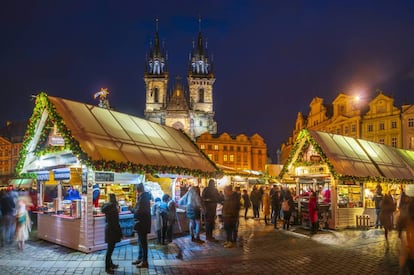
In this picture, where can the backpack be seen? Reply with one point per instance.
(285, 205)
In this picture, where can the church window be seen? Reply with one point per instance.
(156, 94)
(201, 95)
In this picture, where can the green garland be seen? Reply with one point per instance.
(42, 103)
(305, 134)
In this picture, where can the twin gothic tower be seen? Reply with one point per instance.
(185, 107)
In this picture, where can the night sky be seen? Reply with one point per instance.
(270, 57)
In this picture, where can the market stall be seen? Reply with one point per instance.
(344, 171)
(80, 153)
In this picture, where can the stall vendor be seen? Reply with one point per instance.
(72, 194)
(96, 195)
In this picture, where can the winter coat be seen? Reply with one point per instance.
(210, 197)
(142, 213)
(266, 204)
(192, 201)
(231, 208)
(246, 200)
(312, 208)
(255, 197)
(113, 232)
(386, 212)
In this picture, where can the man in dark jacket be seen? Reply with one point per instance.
(231, 208)
(142, 216)
(210, 197)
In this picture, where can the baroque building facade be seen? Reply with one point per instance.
(239, 152)
(186, 107)
(11, 138)
(377, 120)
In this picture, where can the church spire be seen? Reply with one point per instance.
(199, 63)
(156, 62)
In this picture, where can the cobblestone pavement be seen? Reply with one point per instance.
(261, 250)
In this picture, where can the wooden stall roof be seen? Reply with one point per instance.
(360, 158)
(108, 135)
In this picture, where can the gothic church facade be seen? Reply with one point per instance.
(186, 107)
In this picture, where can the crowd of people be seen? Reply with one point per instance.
(15, 221)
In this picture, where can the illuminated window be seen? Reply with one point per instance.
(210, 156)
(382, 126)
(216, 147)
(411, 122)
(224, 157)
(202, 147)
(393, 124)
(231, 158)
(394, 142)
(370, 128)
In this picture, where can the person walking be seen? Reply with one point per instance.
(266, 205)
(407, 243)
(172, 216)
(210, 197)
(276, 201)
(246, 202)
(8, 207)
(386, 213)
(113, 232)
(231, 208)
(255, 198)
(313, 212)
(377, 201)
(142, 217)
(23, 224)
(287, 208)
(158, 221)
(194, 207)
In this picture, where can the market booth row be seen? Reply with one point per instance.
(80, 153)
(344, 172)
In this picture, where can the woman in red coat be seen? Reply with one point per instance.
(313, 212)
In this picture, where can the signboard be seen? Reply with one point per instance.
(104, 177)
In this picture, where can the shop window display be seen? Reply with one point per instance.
(350, 196)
